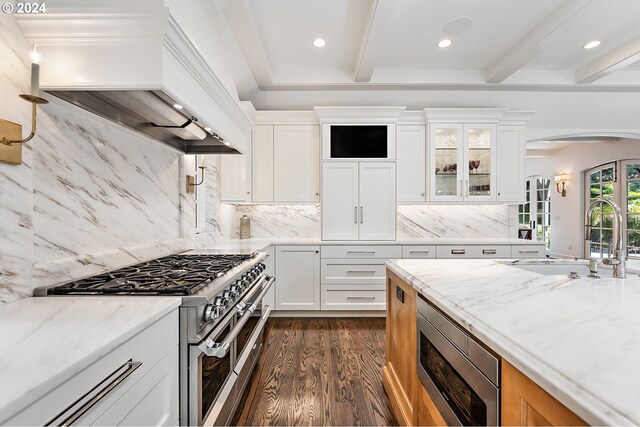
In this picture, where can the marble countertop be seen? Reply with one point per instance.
(579, 339)
(258, 244)
(45, 341)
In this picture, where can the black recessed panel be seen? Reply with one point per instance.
(369, 142)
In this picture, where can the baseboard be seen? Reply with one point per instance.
(389, 382)
(318, 313)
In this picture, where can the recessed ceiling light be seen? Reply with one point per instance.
(207, 129)
(227, 144)
(319, 42)
(177, 106)
(592, 44)
(444, 43)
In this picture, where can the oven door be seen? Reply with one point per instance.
(462, 394)
(212, 382)
(251, 337)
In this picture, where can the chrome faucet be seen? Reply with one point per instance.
(619, 257)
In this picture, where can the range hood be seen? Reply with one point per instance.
(148, 69)
(151, 113)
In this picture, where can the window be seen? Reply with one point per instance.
(535, 213)
(620, 183)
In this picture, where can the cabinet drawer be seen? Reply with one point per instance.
(336, 297)
(148, 347)
(473, 251)
(353, 272)
(527, 251)
(362, 251)
(419, 251)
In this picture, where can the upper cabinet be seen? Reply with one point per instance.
(462, 162)
(475, 155)
(411, 158)
(283, 167)
(296, 163)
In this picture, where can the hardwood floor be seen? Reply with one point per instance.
(319, 372)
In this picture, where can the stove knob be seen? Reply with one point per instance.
(211, 312)
(261, 267)
(228, 295)
(220, 302)
(235, 289)
(239, 285)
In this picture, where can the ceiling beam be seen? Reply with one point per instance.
(617, 59)
(243, 27)
(379, 21)
(570, 12)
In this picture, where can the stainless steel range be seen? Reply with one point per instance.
(222, 321)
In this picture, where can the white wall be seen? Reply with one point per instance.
(567, 212)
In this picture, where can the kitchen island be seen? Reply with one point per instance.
(577, 339)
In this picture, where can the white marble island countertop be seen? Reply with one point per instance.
(45, 341)
(579, 339)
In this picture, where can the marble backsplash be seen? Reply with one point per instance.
(91, 196)
(414, 221)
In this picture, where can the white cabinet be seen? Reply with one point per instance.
(339, 201)
(262, 164)
(285, 166)
(511, 156)
(411, 159)
(143, 372)
(235, 177)
(298, 277)
(377, 196)
(462, 162)
(359, 201)
(296, 164)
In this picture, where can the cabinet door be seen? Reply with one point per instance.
(511, 156)
(296, 163)
(378, 210)
(446, 174)
(262, 164)
(524, 403)
(235, 177)
(411, 164)
(298, 277)
(339, 201)
(479, 163)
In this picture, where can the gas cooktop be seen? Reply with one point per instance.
(170, 275)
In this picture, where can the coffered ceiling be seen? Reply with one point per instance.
(391, 44)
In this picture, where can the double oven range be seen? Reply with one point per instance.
(222, 321)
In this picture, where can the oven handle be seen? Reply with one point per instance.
(220, 349)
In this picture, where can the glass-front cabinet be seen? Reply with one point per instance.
(462, 162)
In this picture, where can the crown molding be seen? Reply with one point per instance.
(359, 114)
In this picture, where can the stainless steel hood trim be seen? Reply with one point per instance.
(149, 113)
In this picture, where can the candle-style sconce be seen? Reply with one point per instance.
(11, 133)
(191, 180)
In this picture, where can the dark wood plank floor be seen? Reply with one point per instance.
(319, 372)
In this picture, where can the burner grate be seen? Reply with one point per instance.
(170, 275)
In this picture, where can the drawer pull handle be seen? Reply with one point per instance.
(361, 252)
(529, 252)
(361, 271)
(99, 392)
(458, 251)
(362, 298)
(489, 251)
(418, 252)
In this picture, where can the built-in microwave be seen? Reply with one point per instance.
(460, 375)
(368, 142)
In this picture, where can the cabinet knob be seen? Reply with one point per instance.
(317, 194)
(423, 194)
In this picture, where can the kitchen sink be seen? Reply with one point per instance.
(562, 268)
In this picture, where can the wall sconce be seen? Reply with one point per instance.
(191, 181)
(11, 133)
(561, 179)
